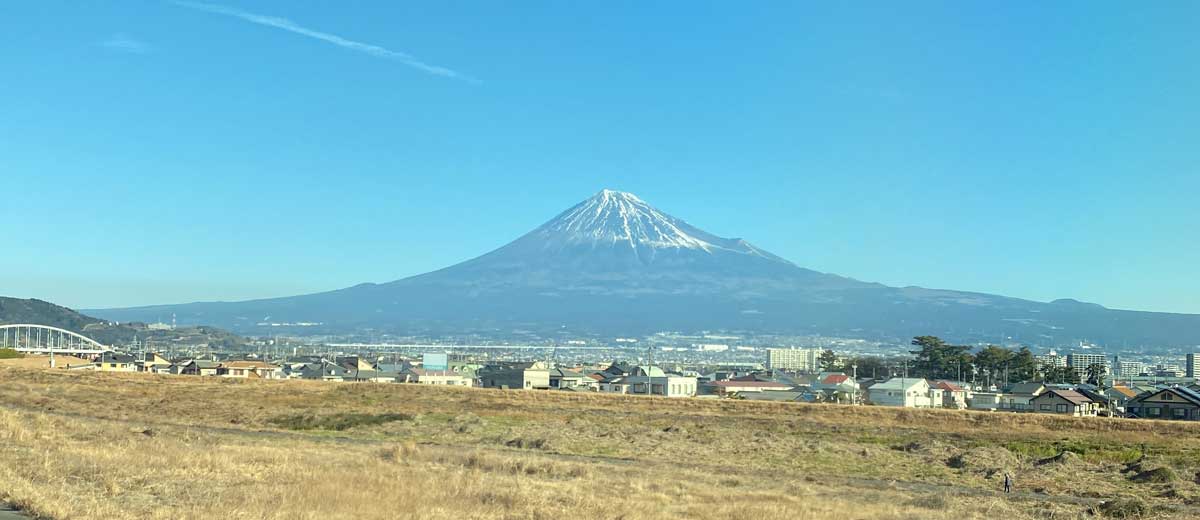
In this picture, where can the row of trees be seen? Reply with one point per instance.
(936, 359)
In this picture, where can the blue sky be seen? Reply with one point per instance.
(157, 152)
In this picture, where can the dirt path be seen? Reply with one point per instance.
(8, 512)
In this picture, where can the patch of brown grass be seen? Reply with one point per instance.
(671, 457)
(88, 468)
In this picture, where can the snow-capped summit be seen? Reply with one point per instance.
(620, 219)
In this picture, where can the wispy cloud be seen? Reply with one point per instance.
(124, 43)
(290, 26)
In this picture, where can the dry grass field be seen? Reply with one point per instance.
(103, 445)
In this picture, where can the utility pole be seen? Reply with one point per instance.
(649, 377)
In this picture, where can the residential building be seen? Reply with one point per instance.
(1169, 370)
(726, 388)
(324, 370)
(435, 377)
(985, 400)
(618, 369)
(1067, 402)
(782, 396)
(355, 363)
(1123, 369)
(528, 376)
(248, 369)
(114, 362)
(1051, 360)
(1192, 365)
(794, 359)
(562, 379)
(1104, 405)
(1016, 397)
(464, 368)
(152, 362)
(1177, 403)
(908, 392)
(1119, 397)
(954, 395)
(371, 376)
(1080, 362)
(199, 367)
(660, 383)
(837, 387)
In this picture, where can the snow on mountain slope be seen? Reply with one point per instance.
(620, 217)
(628, 227)
(616, 243)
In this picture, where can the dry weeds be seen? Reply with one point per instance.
(90, 445)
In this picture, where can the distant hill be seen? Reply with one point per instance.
(615, 265)
(38, 312)
(16, 310)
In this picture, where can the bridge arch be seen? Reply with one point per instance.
(33, 338)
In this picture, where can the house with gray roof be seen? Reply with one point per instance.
(1176, 403)
(907, 392)
(516, 376)
(561, 379)
(1064, 402)
(1016, 396)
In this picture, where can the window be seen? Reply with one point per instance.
(1060, 408)
(1179, 413)
(1167, 396)
(1045, 408)
(1154, 411)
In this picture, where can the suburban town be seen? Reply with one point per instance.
(1074, 384)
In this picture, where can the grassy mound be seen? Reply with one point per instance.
(988, 459)
(1124, 508)
(336, 422)
(1160, 475)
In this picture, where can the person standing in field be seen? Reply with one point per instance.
(1007, 483)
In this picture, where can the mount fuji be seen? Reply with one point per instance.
(614, 264)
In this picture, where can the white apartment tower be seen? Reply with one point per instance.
(801, 359)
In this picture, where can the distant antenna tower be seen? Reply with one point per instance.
(172, 321)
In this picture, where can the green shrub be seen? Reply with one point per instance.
(336, 422)
(1124, 508)
(1161, 475)
(1089, 452)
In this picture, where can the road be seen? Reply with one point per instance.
(8, 513)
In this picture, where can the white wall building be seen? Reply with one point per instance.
(910, 392)
(802, 359)
(664, 386)
(435, 377)
(1080, 362)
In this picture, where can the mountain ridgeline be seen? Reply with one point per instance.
(613, 264)
(38, 312)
